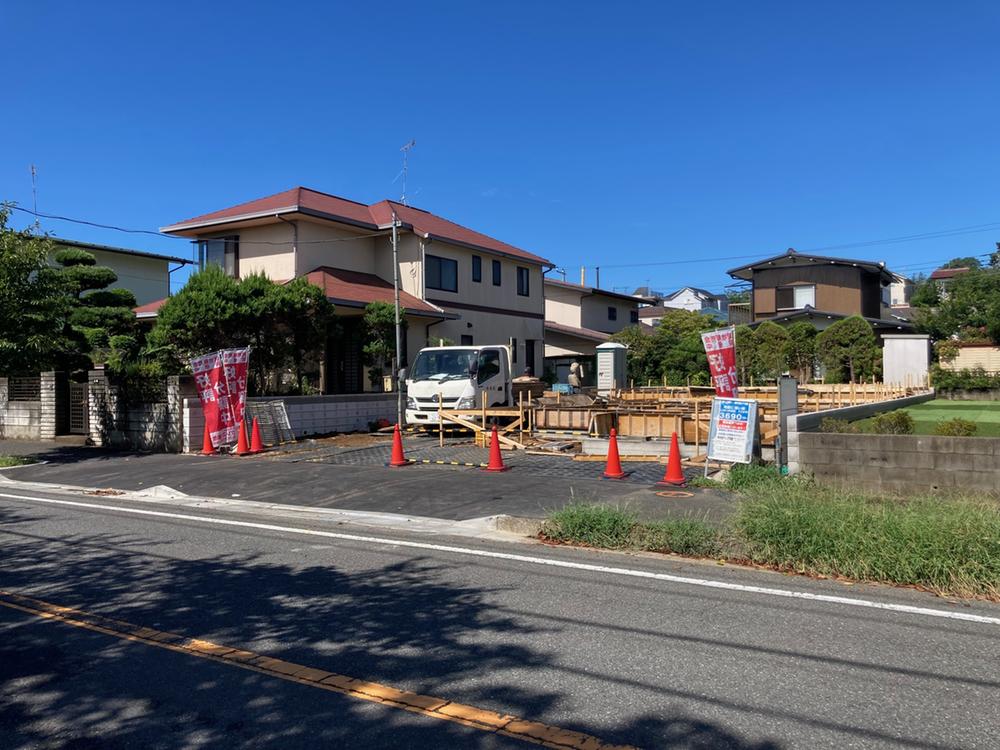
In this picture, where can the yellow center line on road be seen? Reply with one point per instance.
(437, 708)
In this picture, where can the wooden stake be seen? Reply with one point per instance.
(440, 422)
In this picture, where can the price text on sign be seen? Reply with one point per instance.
(732, 430)
(720, 348)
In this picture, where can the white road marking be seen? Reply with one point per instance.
(704, 582)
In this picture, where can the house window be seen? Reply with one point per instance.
(477, 268)
(612, 313)
(633, 316)
(496, 273)
(442, 273)
(522, 281)
(795, 297)
(224, 252)
(529, 356)
(466, 339)
(513, 351)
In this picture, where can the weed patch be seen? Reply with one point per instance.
(7, 461)
(947, 544)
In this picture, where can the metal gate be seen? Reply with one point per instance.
(79, 409)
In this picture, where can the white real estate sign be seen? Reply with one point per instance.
(732, 429)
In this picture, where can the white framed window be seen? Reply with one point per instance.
(795, 297)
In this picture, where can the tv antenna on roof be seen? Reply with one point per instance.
(406, 153)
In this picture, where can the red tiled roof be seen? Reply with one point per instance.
(150, 309)
(376, 216)
(355, 289)
(948, 273)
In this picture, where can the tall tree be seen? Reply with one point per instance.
(745, 355)
(970, 311)
(967, 261)
(800, 349)
(769, 340)
(848, 348)
(33, 307)
(283, 324)
(380, 339)
(98, 316)
(672, 351)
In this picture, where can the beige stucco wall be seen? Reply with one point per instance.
(408, 251)
(265, 249)
(327, 245)
(494, 328)
(145, 277)
(563, 305)
(503, 297)
(595, 313)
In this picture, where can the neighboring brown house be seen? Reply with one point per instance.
(820, 289)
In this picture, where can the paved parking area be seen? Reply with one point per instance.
(321, 474)
(467, 455)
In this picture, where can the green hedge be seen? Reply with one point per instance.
(976, 379)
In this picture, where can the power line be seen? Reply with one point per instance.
(186, 239)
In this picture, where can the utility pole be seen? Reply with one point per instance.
(399, 331)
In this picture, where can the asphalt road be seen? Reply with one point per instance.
(628, 659)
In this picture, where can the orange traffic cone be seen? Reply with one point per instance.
(496, 460)
(242, 449)
(256, 444)
(674, 475)
(614, 468)
(398, 459)
(206, 444)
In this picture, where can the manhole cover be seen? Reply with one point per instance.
(675, 493)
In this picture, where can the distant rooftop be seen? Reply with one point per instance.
(120, 250)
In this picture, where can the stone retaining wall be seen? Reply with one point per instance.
(902, 463)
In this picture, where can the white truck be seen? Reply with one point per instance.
(460, 376)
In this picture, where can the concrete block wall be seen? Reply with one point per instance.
(47, 412)
(308, 415)
(18, 419)
(902, 463)
(797, 424)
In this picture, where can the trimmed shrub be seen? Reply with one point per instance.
(892, 423)
(832, 424)
(956, 427)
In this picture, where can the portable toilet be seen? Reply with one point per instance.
(610, 367)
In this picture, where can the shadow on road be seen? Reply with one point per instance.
(404, 624)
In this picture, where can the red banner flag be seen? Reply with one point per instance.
(221, 378)
(720, 346)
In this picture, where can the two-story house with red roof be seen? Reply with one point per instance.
(456, 284)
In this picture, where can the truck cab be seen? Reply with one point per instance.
(460, 376)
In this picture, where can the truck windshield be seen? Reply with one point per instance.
(443, 364)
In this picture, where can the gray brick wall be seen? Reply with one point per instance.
(902, 463)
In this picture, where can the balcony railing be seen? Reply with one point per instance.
(739, 313)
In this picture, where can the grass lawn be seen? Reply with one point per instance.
(986, 415)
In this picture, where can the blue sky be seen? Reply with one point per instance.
(590, 133)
